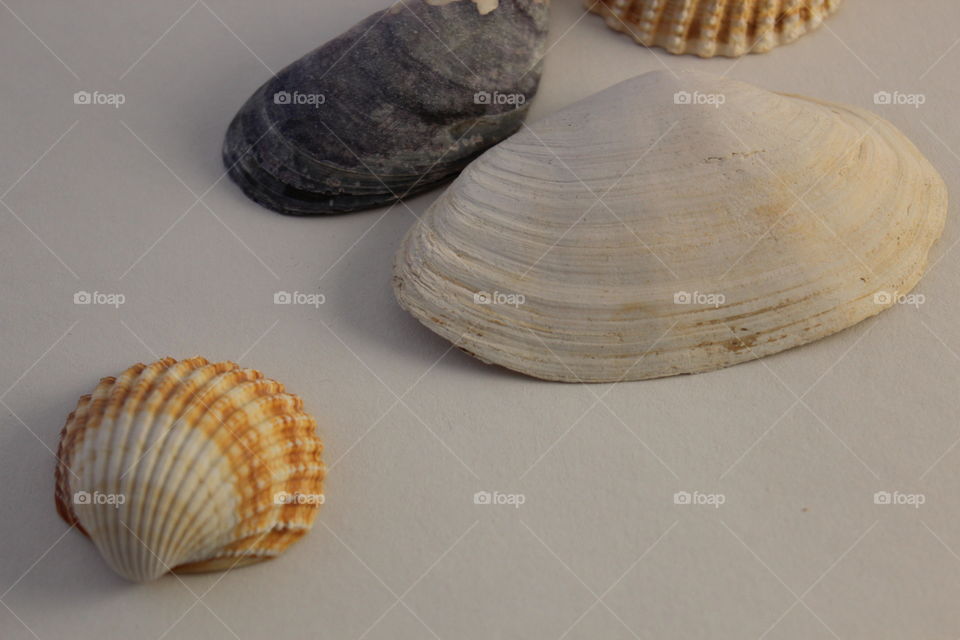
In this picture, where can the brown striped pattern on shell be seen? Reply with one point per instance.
(709, 28)
(199, 453)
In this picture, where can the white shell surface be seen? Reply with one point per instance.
(672, 224)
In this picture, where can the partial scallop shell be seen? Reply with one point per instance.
(396, 106)
(189, 466)
(672, 224)
(714, 27)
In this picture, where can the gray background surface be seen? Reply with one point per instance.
(132, 201)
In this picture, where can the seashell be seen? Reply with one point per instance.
(709, 28)
(396, 106)
(672, 224)
(189, 466)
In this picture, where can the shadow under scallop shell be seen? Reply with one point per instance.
(394, 107)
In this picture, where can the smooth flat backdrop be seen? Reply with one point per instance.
(131, 201)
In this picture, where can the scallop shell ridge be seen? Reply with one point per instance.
(189, 466)
(709, 28)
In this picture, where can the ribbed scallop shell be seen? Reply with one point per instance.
(205, 457)
(714, 27)
(672, 224)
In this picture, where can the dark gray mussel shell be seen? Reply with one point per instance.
(396, 106)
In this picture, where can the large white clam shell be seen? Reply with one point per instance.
(672, 224)
(189, 466)
(710, 28)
